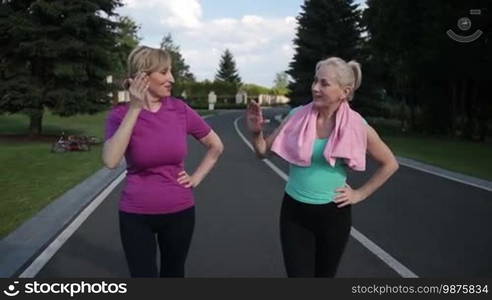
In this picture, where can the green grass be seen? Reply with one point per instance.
(54, 125)
(459, 156)
(31, 176)
(471, 158)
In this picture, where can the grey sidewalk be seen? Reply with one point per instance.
(22, 246)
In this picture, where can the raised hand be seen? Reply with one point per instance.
(254, 117)
(138, 90)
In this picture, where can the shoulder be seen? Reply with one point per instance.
(356, 116)
(178, 104)
(294, 110)
(119, 110)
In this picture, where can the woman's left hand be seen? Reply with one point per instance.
(347, 196)
(186, 180)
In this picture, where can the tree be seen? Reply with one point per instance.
(395, 55)
(181, 70)
(326, 28)
(227, 69)
(126, 40)
(423, 68)
(57, 55)
(281, 84)
(254, 90)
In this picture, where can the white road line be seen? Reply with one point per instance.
(51, 250)
(366, 242)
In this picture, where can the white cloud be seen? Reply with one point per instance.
(183, 13)
(261, 46)
(252, 20)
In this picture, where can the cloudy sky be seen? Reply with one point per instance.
(259, 33)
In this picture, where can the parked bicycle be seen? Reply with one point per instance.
(74, 143)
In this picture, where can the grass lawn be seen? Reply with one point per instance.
(471, 158)
(31, 176)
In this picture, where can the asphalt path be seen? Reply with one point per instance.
(430, 225)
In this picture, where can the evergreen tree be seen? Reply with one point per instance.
(57, 55)
(127, 39)
(326, 28)
(180, 69)
(227, 69)
(423, 68)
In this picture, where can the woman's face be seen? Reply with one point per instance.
(161, 83)
(325, 88)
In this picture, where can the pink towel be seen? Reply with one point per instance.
(348, 139)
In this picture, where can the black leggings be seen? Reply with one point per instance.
(313, 237)
(138, 236)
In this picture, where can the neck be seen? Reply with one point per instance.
(152, 102)
(329, 111)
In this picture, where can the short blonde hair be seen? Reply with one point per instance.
(346, 73)
(146, 59)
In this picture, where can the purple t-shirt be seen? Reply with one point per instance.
(155, 156)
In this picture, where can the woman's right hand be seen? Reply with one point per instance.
(254, 118)
(138, 90)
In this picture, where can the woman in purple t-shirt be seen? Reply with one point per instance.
(151, 133)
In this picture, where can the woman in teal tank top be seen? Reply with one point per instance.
(317, 183)
(315, 217)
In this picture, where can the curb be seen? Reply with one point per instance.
(21, 247)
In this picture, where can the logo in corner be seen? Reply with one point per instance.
(465, 24)
(10, 291)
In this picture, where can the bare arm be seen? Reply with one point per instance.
(263, 145)
(383, 155)
(215, 149)
(115, 147)
(387, 167)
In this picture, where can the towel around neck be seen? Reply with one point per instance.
(348, 139)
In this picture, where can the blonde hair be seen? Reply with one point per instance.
(347, 74)
(148, 60)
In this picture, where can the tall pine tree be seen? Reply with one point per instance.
(57, 55)
(227, 69)
(180, 69)
(127, 39)
(443, 82)
(326, 28)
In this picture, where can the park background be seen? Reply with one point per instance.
(62, 62)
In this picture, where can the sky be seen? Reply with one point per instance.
(259, 33)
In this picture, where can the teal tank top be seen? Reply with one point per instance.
(317, 183)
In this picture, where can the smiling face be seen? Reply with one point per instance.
(161, 83)
(325, 89)
(157, 64)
